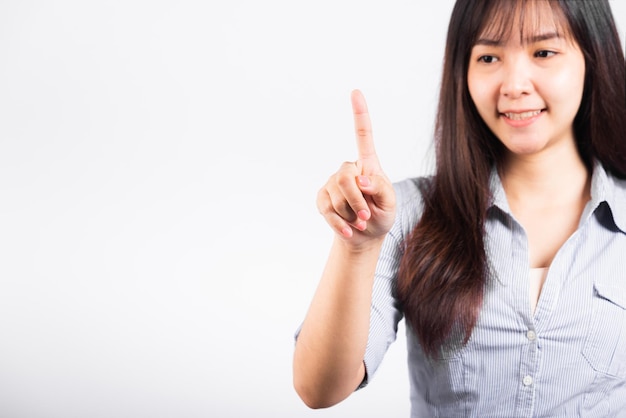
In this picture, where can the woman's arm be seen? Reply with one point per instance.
(358, 202)
(328, 359)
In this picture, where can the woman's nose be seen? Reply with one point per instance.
(516, 78)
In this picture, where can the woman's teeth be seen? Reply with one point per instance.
(523, 115)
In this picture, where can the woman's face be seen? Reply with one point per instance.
(528, 91)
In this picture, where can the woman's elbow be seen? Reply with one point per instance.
(313, 397)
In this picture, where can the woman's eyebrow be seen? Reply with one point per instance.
(528, 40)
(542, 37)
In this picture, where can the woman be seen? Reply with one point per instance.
(509, 263)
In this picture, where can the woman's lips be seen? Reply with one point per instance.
(519, 119)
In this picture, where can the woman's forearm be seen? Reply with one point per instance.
(328, 359)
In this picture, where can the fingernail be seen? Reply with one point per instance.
(363, 214)
(364, 181)
(346, 232)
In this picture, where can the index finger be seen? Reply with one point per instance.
(363, 127)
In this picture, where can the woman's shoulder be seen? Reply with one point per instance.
(410, 201)
(412, 189)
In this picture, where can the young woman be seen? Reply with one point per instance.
(509, 264)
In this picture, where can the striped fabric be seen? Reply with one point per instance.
(566, 360)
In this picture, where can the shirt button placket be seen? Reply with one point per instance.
(528, 369)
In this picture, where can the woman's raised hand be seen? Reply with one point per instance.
(358, 201)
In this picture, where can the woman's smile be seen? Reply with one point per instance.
(521, 119)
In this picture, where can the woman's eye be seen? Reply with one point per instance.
(487, 59)
(544, 54)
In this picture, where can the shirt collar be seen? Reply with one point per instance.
(607, 188)
(498, 196)
(604, 188)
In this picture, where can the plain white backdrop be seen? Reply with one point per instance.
(159, 161)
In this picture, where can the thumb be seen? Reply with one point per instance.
(379, 190)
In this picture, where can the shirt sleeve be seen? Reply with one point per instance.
(386, 312)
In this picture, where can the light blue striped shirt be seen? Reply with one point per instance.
(568, 359)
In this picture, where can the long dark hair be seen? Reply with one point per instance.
(444, 268)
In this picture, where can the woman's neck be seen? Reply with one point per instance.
(555, 177)
(547, 195)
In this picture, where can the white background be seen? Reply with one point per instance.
(159, 161)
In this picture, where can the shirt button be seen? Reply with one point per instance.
(527, 381)
(531, 335)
